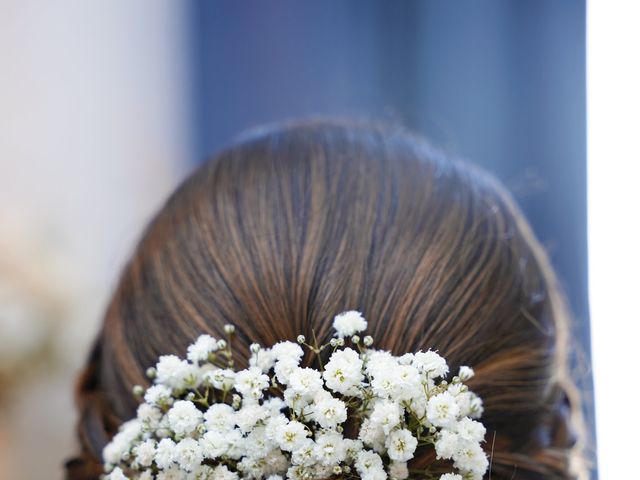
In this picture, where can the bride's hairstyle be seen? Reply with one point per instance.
(297, 222)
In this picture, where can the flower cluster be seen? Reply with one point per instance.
(364, 414)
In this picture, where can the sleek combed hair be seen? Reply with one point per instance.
(299, 221)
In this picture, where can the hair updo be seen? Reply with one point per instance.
(298, 222)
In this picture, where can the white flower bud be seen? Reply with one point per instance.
(255, 348)
(222, 344)
(151, 372)
(466, 373)
(229, 329)
(355, 339)
(138, 391)
(301, 339)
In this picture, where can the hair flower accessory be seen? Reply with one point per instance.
(365, 414)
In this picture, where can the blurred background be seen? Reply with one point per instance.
(105, 106)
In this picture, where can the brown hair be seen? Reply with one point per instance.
(300, 221)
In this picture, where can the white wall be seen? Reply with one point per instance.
(93, 136)
(613, 85)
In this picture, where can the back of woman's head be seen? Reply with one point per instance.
(298, 222)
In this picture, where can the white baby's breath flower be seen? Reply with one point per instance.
(383, 383)
(249, 415)
(305, 381)
(263, 359)
(251, 467)
(175, 373)
(305, 454)
(291, 436)
(149, 416)
(446, 444)
(235, 444)
(284, 368)
(221, 472)
(145, 452)
(115, 450)
(275, 463)
(379, 361)
(200, 350)
(257, 444)
(371, 434)
(214, 444)
(406, 359)
(130, 430)
(343, 372)
(117, 474)
(369, 465)
(297, 402)
(221, 379)
(442, 410)
(417, 406)
(188, 454)
(476, 408)
(330, 449)
(431, 363)
(408, 383)
(158, 394)
(329, 412)
(165, 453)
(470, 430)
(395, 381)
(466, 373)
(469, 457)
(202, 472)
(349, 323)
(401, 445)
(398, 470)
(273, 405)
(299, 472)
(451, 476)
(386, 415)
(273, 424)
(220, 417)
(290, 350)
(122, 442)
(184, 417)
(251, 382)
(352, 448)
